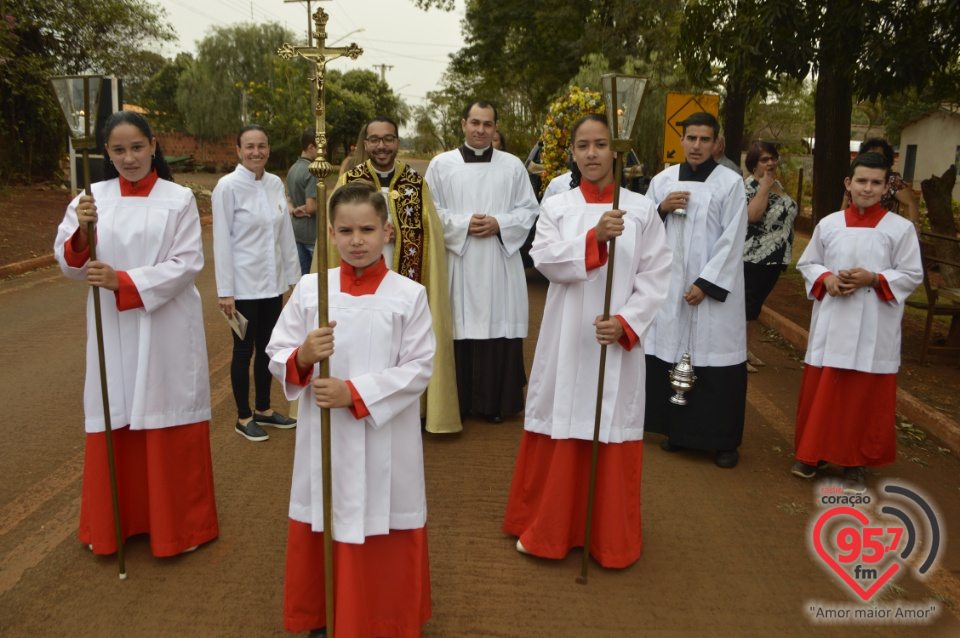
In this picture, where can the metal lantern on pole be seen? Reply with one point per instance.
(622, 98)
(79, 99)
(321, 169)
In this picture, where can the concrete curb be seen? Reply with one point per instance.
(909, 407)
(29, 265)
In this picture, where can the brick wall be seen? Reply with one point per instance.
(221, 153)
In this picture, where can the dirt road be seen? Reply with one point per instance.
(726, 552)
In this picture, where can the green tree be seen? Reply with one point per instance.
(282, 106)
(785, 116)
(522, 55)
(385, 102)
(746, 45)
(159, 94)
(136, 72)
(426, 137)
(212, 90)
(867, 50)
(444, 109)
(347, 112)
(39, 39)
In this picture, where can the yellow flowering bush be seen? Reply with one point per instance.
(556, 129)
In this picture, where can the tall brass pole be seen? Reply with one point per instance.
(612, 251)
(321, 169)
(98, 319)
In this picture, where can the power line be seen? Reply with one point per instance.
(190, 7)
(404, 55)
(419, 44)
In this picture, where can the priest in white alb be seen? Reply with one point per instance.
(487, 207)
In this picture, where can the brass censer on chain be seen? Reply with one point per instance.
(682, 375)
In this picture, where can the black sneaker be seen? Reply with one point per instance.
(667, 446)
(804, 470)
(727, 458)
(275, 420)
(854, 479)
(251, 431)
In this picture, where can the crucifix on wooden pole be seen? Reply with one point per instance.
(321, 169)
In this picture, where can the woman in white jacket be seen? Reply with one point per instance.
(256, 262)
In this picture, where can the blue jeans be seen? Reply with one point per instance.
(305, 252)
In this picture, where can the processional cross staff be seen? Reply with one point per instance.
(79, 99)
(321, 169)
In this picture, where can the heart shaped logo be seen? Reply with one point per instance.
(865, 594)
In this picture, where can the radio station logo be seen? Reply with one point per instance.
(867, 542)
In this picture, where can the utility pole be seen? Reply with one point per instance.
(383, 70)
(313, 85)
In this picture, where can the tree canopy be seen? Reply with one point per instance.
(39, 39)
(523, 55)
(748, 46)
(212, 91)
(867, 50)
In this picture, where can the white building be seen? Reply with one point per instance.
(929, 144)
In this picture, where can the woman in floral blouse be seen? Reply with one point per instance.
(770, 216)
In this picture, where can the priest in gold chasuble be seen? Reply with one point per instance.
(418, 252)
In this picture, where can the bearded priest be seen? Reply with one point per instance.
(417, 251)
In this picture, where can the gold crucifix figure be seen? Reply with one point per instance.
(321, 169)
(320, 55)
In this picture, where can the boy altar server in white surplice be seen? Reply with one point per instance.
(548, 496)
(860, 266)
(382, 364)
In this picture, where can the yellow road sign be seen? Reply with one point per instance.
(679, 107)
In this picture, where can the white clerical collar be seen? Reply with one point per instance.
(387, 174)
(478, 151)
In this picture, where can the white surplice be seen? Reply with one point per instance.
(860, 331)
(384, 345)
(156, 356)
(254, 251)
(488, 290)
(714, 232)
(561, 400)
(557, 185)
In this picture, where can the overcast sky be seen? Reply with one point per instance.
(414, 42)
